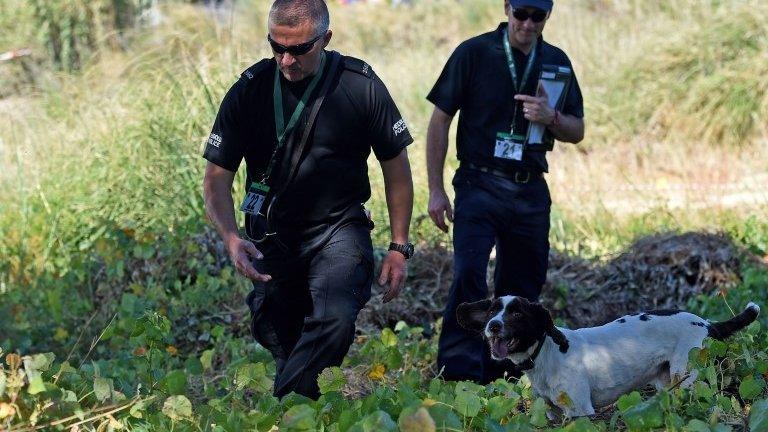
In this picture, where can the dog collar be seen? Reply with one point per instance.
(529, 362)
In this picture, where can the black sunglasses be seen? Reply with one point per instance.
(536, 16)
(294, 50)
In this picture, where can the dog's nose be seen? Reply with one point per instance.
(494, 326)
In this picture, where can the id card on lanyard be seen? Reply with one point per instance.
(258, 191)
(511, 146)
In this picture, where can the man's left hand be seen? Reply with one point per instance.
(536, 108)
(394, 271)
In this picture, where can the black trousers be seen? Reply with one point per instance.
(305, 316)
(492, 210)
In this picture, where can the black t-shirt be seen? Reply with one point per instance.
(476, 80)
(331, 183)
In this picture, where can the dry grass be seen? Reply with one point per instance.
(61, 144)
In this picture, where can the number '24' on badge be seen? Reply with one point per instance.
(509, 146)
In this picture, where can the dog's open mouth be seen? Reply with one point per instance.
(501, 347)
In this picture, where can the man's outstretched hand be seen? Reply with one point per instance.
(439, 209)
(394, 271)
(241, 252)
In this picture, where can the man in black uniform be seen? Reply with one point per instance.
(502, 198)
(312, 265)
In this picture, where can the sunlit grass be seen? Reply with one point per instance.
(674, 95)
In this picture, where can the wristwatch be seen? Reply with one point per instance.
(405, 249)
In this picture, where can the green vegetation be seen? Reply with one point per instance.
(106, 261)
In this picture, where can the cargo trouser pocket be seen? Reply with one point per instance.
(262, 329)
(362, 277)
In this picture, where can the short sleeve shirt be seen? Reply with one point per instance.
(357, 116)
(477, 82)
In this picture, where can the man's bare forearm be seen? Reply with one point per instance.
(437, 148)
(219, 205)
(398, 187)
(569, 129)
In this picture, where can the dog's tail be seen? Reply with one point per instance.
(724, 329)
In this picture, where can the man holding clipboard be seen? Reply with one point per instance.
(508, 122)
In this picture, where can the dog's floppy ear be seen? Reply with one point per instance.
(473, 316)
(549, 327)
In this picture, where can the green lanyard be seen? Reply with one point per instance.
(282, 130)
(513, 68)
(513, 71)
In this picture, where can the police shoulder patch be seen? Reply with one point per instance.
(356, 65)
(255, 69)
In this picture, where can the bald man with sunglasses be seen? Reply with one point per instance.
(502, 199)
(305, 122)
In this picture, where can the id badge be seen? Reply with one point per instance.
(255, 198)
(509, 146)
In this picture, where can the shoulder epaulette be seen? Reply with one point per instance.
(255, 69)
(356, 65)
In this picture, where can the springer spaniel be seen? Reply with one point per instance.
(578, 370)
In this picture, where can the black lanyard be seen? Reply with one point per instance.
(518, 86)
(281, 129)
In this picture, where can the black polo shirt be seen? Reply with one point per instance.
(331, 184)
(476, 81)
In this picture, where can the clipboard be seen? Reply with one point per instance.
(556, 81)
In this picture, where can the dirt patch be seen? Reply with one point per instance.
(662, 271)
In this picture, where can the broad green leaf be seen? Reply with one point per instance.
(416, 420)
(696, 425)
(68, 396)
(581, 425)
(467, 401)
(758, 416)
(38, 362)
(703, 391)
(538, 413)
(445, 417)
(394, 359)
(378, 421)
(347, 419)
(518, 424)
(267, 422)
(718, 348)
(175, 382)
(468, 404)
(711, 374)
(193, 366)
(253, 376)
(299, 418)
(331, 379)
(177, 408)
(492, 426)
(36, 384)
(102, 388)
(644, 416)
(501, 406)
(207, 359)
(388, 338)
(627, 401)
(750, 387)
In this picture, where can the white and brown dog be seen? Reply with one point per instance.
(578, 370)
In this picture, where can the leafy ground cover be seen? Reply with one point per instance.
(152, 380)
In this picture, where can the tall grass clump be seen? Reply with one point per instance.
(699, 74)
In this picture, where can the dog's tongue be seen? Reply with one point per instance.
(499, 349)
